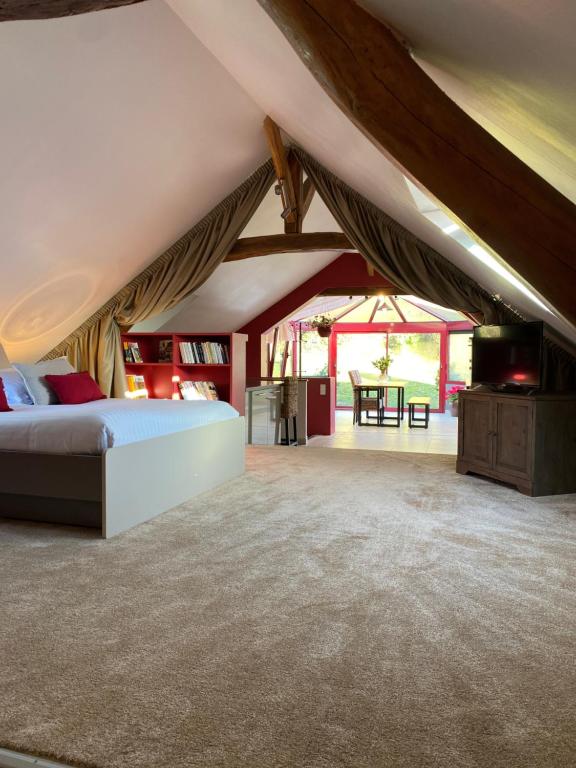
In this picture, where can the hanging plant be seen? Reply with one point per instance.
(323, 325)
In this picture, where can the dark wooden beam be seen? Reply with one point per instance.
(358, 291)
(297, 177)
(250, 247)
(370, 74)
(25, 10)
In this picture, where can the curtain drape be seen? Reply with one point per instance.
(410, 264)
(95, 346)
(416, 268)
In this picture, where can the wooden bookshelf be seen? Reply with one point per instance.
(229, 378)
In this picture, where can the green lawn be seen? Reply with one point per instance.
(412, 389)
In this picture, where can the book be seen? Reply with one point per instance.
(127, 353)
(165, 351)
(132, 352)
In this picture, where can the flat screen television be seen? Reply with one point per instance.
(507, 355)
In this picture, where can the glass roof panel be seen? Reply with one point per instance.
(442, 313)
(360, 314)
(386, 313)
(415, 314)
(360, 310)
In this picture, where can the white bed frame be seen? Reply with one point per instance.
(9, 759)
(128, 484)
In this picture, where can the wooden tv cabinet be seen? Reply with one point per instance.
(526, 440)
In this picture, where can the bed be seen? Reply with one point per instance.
(112, 464)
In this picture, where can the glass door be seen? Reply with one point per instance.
(355, 352)
(416, 360)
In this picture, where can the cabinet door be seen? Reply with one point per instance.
(475, 426)
(513, 438)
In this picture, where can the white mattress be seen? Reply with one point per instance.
(94, 427)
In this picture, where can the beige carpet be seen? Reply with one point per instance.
(331, 608)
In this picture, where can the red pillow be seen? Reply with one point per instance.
(3, 402)
(74, 388)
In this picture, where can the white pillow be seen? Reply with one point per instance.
(14, 387)
(33, 377)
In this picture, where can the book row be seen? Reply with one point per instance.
(194, 352)
(198, 390)
(190, 390)
(210, 352)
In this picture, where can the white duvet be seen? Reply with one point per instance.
(95, 427)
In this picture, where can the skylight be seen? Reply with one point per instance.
(430, 210)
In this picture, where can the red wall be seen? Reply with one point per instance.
(347, 271)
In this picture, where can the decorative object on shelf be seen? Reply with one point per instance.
(323, 325)
(452, 398)
(382, 364)
(175, 390)
(165, 351)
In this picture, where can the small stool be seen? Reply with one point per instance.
(413, 419)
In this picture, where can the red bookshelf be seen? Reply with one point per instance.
(229, 378)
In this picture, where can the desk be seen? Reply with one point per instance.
(380, 390)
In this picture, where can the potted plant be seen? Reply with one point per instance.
(452, 397)
(382, 364)
(323, 324)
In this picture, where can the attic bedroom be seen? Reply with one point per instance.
(287, 384)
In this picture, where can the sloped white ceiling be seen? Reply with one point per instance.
(119, 132)
(247, 42)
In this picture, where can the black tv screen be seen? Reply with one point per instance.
(507, 354)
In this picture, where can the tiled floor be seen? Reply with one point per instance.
(440, 437)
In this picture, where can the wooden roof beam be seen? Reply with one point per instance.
(266, 245)
(372, 77)
(25, 10)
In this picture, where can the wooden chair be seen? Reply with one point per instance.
(361, 402)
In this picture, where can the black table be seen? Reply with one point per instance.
(378, 392)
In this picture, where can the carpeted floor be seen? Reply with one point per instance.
(330, 608)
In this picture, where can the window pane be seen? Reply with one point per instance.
(459, 357)
(314, 354)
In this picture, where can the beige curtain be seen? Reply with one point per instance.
(410, 264)
(96, 347)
